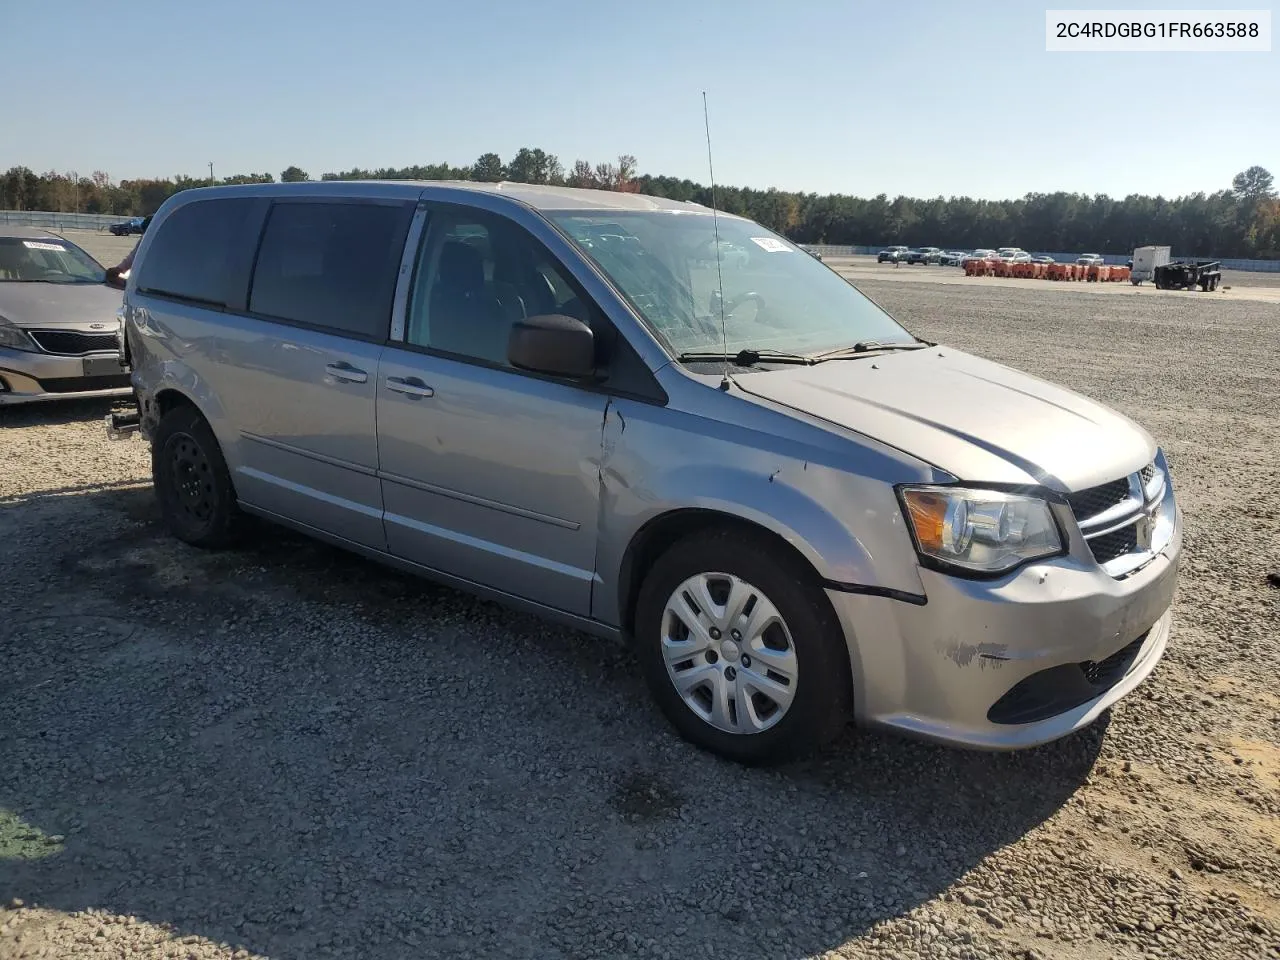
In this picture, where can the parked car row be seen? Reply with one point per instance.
(953, 258)
(958, 258)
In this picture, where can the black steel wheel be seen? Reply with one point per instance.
(192, 482)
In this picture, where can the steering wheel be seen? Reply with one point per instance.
(738, 301)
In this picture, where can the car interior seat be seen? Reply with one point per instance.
(463, 315)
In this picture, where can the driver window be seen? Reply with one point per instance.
(477, 275)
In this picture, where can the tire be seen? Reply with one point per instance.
(193, 485)
(808, 643)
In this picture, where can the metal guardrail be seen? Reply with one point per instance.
(60, 221)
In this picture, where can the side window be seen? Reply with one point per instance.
(477, 275)
(331, 265)
(195, 254)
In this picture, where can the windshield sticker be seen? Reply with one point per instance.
(41, 245)
(771, 244)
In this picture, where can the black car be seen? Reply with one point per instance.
(892, 254)
(924, 255)
(127, 227)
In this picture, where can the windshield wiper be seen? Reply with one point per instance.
(746, 358)
(863, 347)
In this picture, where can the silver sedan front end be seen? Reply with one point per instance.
(1032, 656)
(61, 363)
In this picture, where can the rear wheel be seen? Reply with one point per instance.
(741, 649)
(196, 496)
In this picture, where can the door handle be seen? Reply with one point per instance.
(346, 372)
(409, 386)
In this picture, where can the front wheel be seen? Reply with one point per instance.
(741, 649)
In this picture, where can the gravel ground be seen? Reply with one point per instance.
(285, 751)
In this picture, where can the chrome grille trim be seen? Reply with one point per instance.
(1131, 504)
(1119, 536)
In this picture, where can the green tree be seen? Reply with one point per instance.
(582, 175)
(293, 175)
(534, 166)
(1253, 185)
(488, 168)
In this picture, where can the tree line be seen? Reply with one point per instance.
(1243, 221)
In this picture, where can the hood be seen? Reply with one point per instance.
(977, 420)
(59, 304)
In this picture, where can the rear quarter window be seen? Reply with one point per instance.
(331, 265)
(198, 252)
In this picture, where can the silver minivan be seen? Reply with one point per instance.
(794, 510)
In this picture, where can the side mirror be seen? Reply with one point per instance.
(114, 279)
(553, 344)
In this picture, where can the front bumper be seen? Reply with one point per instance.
(947, 670)
(32, 377)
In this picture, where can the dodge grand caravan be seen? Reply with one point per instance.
(797, 512)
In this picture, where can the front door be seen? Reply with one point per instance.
(488, 474)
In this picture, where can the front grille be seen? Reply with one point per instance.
(1117, 543)
(1059, 689)
(78, 384)
(1091, 502)
(71, 343)
(1148, 472)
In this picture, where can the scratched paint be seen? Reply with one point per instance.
(987, 654)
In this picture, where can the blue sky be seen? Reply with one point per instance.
(923, 98)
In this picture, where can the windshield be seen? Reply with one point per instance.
(46, 260)
(775, 297)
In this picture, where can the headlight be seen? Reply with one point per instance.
(984, 531)
(15, 338)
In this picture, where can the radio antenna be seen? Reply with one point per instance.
(715, 224)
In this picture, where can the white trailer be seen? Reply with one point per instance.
(1145, 261)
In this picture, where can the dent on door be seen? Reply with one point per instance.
(492, 476)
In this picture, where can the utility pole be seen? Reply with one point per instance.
(211, 173)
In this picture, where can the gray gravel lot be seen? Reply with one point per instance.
(286, 751)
